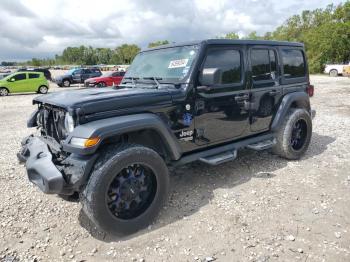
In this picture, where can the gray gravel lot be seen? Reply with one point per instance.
(257, 208)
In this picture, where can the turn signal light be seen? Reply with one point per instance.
(91, 141)
(84, 142)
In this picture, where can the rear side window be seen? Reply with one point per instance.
(264, 64)
(228, 61)
(31, 76)
(19, 77)
(293, 63)
(119, 74)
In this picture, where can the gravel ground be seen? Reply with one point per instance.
(257, 208)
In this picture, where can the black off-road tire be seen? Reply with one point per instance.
(283, 147)
(93, 197)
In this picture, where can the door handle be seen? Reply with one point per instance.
(203, 88)
(241, 98)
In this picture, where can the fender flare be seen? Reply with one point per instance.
(109, 127)
(300, 98)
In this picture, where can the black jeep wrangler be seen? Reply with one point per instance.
(198, 101)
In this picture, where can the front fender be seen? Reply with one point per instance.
(110, 127)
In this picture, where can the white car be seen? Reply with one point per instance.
(334, 70)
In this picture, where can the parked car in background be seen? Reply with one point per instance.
(346, 70)
(5, 70)
(46, 71)
(335, 69)
(3, 75)
(109, 79)
(21, 82)
(77, 76)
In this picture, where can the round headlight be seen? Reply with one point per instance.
(69, 122)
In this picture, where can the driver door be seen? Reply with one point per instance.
(18, 83)
(221, 112)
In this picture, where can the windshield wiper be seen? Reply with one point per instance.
(155, 79)
(133, 83)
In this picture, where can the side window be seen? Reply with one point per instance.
(78, 72)
(293, 63)
(31, 76)
(264, 65)
(119, 74)
(229, 61)
(19, 77)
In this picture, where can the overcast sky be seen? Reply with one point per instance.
(42, 28)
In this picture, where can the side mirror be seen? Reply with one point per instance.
(11, 80)
(210, 76)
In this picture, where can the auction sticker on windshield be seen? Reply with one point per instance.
(178, 63)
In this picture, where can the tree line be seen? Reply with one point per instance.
(325, 33)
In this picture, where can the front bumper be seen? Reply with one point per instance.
(65, 177)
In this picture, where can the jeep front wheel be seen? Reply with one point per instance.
(294, 136)
(126, 190)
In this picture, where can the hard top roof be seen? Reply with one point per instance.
(230, 42)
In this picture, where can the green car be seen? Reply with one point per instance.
(21, 82)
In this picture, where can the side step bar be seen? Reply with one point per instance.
(219, 158)
(223, 153)
(262, 145)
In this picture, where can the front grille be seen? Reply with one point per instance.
(52, 123)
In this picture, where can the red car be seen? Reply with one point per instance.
(109, 79)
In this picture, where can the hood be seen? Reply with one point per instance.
(94, 100)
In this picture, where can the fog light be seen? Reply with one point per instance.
(84, 142)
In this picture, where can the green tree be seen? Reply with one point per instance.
(231, 35)
(158, 43)
(126, 52)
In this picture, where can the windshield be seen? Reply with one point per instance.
(173, 63)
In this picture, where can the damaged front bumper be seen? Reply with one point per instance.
(64, 177)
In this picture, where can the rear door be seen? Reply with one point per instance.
(76, 76)
(117, 77)
(220, 113)
(34, 81)
(266, 90)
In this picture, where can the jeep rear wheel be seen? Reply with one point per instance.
(126, 190)
(294, 136)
